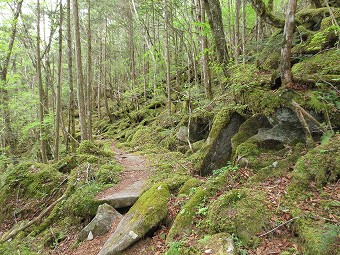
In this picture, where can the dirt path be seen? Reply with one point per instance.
(135, 170)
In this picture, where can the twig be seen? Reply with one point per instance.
(285, 223)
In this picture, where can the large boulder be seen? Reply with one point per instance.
(101, 223)
(217, 151)
(144, 216)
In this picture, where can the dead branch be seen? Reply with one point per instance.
(284, 223)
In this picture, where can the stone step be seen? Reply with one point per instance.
(126, 197)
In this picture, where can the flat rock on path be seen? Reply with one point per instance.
(132, 183)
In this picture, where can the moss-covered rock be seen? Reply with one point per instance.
(217, 151)
(319, 165)
(318, 239)
(185, 216)
(323, 66)
(240, 212)
(90, 148)
(176, 182)
(188, 185)
(249, 128)
(144, 215)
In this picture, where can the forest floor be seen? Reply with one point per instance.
(275, 241)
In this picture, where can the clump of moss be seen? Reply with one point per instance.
(323, 65)
(249, 128)
(318, 239)
(319, 165)
(185, 216)
(240, 212)
(108, 173)
(90, 148)
(188, 185)
(82, 203)
(176, 182)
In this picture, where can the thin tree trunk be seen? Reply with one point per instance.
(80, 81)
(286, 71)
(237, 29)
(9, 138)
(41, 91)
(71, 121)
(89, 73)
(167, 54)
(58, 94)
(244, 25)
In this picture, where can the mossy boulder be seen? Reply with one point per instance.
(320, 165)
(323, 66)
(185, 216)
(241, 212)
(144, 216)
(249, 128)
(90, 148)
(318, 239)
(217, 151)
(189, 185)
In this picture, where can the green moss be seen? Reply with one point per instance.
(318, 239)
(66, 164)
(240, 212)
(82, 202)
(90, 148)
(185, 216)
(152, 206)
(108, 173)
(249, 128)
(176, 182)
(319, 66)
(16, 247)
(188, 185)
(319, 165)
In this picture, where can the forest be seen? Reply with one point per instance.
(175, 127)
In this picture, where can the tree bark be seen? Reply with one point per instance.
(264, 14)
(41, 91)
(214, 12)
(80, 81)
(58, 94)
(167, 54)
(71, 121)
(9, 138)
(286, 71)
(89, 73)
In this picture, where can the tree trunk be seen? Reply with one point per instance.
(244, 25)
(9, 138)
(237, 29)
(267, 16)
(80, 81)
(167, 54)
(286, 71)
(214, 12)
(71, 121)
(41, 91)
(89, 73)
(205, 57)
(58, 94)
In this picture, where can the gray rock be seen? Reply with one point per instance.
(220, 244)
(285, 114)
(217, 152)
(126, 197)
(101, 223)
(280, 134)
(182, 134)
(148, 212)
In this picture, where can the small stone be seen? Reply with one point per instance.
(133, 235)
(90, 236)
(209, 251)
(275, 164)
